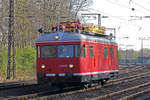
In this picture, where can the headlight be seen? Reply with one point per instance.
(71, 66)
(57, 37)
(43, 66)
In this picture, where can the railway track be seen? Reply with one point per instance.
(17, 84)
(142, 95)
(121, 80)
(84, 94)
(129, 72)
(9, 85)
(56, 94)
(128, 66)
(131, 68)
(126, 94)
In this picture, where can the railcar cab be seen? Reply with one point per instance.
(75, 57)
(59, 60)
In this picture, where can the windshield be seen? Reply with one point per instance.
(48, 51)
(65, 51)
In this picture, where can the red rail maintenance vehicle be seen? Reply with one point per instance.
(74, 55)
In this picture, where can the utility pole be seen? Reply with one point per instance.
(99, 20)
(58, 16)
(44, 15)
(93, 14)
(11, 66)
(142, 49)
(126, 55)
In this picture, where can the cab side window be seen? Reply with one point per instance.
(91, 51)
(105, 52)
(79, 50)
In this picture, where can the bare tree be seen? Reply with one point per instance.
(30, 15)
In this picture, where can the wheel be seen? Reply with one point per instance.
(41, 79)
(102, 82)
(88, 85)
(84, 85)
(106, 80)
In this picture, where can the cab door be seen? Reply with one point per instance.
(91, 57)
(111, 58)
(106, 59)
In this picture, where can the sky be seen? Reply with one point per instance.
(128, 17)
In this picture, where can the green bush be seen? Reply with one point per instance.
(26, 57)
(25, 62)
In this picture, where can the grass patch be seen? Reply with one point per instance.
(25, 64)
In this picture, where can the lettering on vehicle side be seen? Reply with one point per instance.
(63, 66)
